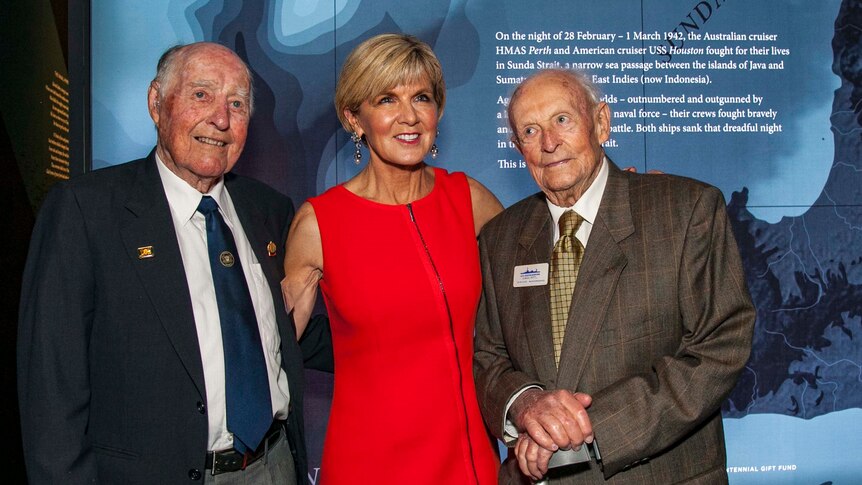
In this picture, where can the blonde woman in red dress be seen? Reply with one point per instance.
(394, 252)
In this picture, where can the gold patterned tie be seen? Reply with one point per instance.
(565, 262)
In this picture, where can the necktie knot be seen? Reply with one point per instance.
(570, 221)
(207, 206)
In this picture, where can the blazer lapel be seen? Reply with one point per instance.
(597, 279)
(535, 247)
(148, 222)
(255, 223)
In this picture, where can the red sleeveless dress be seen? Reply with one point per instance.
(401, 284)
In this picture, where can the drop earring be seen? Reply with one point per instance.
(434, 149)
(357, 141)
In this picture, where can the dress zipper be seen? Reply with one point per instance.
(451, 335)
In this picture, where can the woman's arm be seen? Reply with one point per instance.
(485, 204)
(303, 267)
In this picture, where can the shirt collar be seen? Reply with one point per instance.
(184, 199)
(588, 205)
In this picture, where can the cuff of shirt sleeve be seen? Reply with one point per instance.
(510, 432)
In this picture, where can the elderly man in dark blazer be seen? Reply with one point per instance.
(126, 357)
(653, 326)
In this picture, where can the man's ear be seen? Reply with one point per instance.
(153, 102)
(602, 122)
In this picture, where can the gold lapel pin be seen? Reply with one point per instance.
(270, 249)
(145, 252)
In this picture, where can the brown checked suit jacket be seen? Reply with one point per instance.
(659, 328)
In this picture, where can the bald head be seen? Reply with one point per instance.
(173, 60)
(576, 82)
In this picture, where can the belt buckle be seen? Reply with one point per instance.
(232, 460)
(228, 461)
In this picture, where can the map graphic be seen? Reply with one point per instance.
(803, 273)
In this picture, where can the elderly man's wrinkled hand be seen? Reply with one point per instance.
(553, 419)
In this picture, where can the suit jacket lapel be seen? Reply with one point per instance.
(597, 279)
(148, 222)
(254, 223)
(535, 241)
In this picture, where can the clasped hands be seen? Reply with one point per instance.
(548, 421)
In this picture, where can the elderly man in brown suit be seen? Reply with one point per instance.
(626, 288)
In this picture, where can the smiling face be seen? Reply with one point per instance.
(202, 114)
(559, 131)
(399, 125)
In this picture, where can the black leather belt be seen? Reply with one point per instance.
(232, 460)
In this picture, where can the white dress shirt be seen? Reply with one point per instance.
(190, 227)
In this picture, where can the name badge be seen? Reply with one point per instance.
(531, 275)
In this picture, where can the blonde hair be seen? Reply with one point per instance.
(384, 62)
